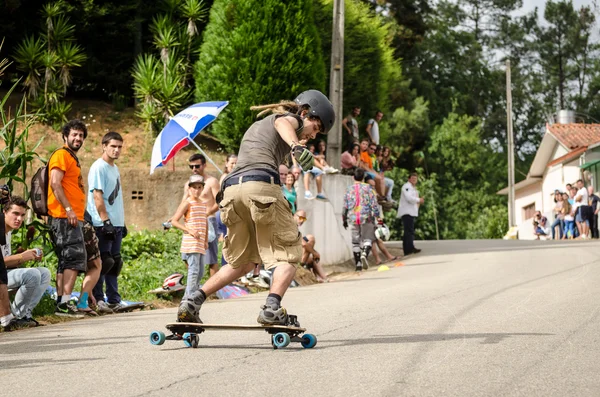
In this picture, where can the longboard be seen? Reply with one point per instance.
(281, 335)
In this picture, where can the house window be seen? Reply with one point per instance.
(529, 211)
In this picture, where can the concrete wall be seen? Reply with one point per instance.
(324, 219)
(149, 200)
(523, 198)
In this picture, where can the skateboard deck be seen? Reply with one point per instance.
(131, 306)
(163, 291)
(281, 335)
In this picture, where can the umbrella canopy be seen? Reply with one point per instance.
(182, 129)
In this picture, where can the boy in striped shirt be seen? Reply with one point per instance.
(195, 232)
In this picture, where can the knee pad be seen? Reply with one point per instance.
(367, 243)
(107, 262)
(116, 270)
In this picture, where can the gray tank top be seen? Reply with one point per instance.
(261, 148)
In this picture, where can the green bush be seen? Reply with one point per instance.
(256, 52)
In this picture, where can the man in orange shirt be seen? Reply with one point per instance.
(367, 149)
(66, 207)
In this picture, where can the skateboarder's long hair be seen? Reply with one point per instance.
(282, 107)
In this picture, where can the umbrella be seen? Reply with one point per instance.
(182, 129)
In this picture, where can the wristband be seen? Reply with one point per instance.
(67, 209)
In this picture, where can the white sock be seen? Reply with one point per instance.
(4, 320)
(65, 298)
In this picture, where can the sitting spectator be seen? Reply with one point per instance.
(317, 172)
(540, 225)
(31, 282)
(321, 155)
(349, 159)
(388, 182)
(296, 171)
(366, 162)
(283, 171)
(387, 163)
(289, 192)
(559, 216)
(7, 320)
(310, 257)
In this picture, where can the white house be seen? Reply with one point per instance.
(568, 152)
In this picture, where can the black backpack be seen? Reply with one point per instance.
(40, 183)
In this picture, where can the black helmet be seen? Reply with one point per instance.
(319, 107)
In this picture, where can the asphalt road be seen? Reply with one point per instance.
(463, 318)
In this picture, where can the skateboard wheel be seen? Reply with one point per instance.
(187, 339)
(308, 341)
(195, 340)
(157, 337)
(281, 340)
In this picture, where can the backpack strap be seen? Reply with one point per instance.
(69, 151)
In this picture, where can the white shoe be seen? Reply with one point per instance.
(308, 195)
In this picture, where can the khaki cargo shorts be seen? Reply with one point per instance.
(260, 226)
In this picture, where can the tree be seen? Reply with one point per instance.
(372, 75)
(256, 52)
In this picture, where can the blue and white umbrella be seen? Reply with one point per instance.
(182, 129)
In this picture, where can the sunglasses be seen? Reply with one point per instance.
(302, 218)
(193, 166)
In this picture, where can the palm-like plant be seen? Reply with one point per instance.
(50, 61)
(50, 11)
(29, 57)
(193, 11)
(146, 77)
(165, 37)
(3, 62)
(69, 55)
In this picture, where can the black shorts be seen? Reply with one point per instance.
(3, 274)
(69, 245)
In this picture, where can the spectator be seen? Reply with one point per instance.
(30, 282)
(283, 171)
(361, 209)
(66, 207)
(230, 164)
(388, 182)
(366, 162)
(8, 322)
(317, 173)
(289, 192)
(311, 259)
(540, 225)
(351, 125)
(582, 216)
(321, 157)
(296, 171)
(373, 127)
(197, 163)
(387, 163)
(379, 243)
(594, 208)
(195, 233)
(568, 217)
(105, 206)
(350, 159)
(408, 211)
(558, 215)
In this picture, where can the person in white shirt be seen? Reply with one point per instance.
(373, 127)
(582, 216)
(408, 210)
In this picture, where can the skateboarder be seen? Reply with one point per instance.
(261, 227)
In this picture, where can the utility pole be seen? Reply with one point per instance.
(511, 149)
(336, 84)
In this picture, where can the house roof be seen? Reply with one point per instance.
(574, 136)
(569, 156)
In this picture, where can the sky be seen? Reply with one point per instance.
(529, 5)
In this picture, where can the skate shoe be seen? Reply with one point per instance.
(364, 261)
(188, 312)
(358, 268)
(270, 316)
